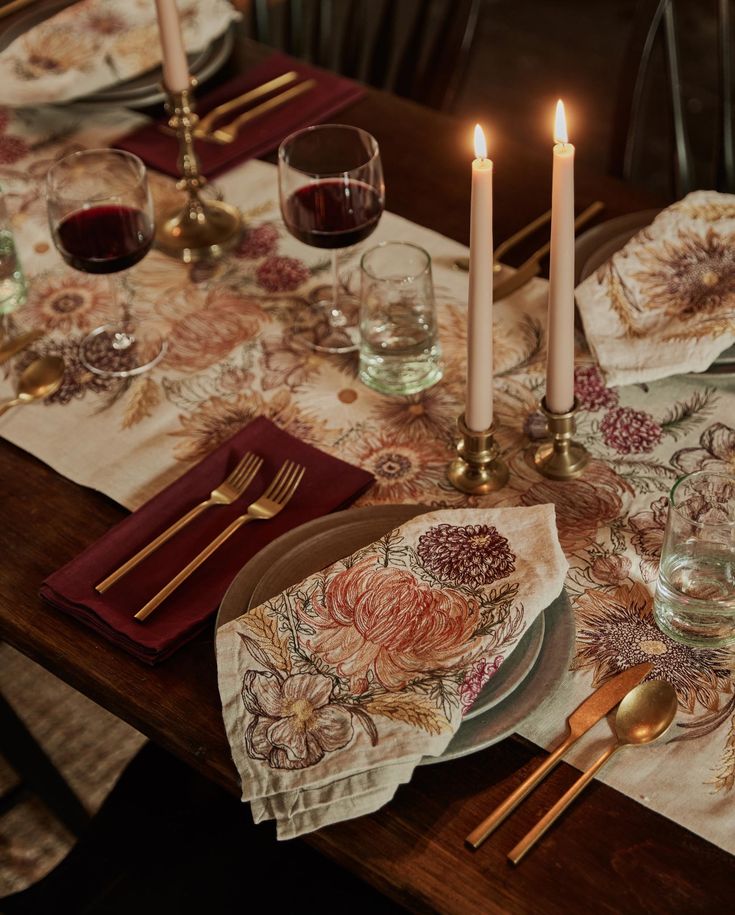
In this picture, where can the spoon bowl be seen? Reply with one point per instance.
(38, 380)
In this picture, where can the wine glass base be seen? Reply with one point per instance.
(113, 351)
(327, 331)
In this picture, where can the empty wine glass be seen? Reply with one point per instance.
(101, 218)
(332, 194)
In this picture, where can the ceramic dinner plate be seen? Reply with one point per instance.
(532, 671)
(143, 90)
(598, 244)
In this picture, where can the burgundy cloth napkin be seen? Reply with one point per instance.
(263, 134)
(328, 484)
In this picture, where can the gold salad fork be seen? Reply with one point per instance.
(228, 132)
(267, 506)
(225, 493)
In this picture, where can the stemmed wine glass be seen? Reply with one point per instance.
(332, 194)
(101, 218)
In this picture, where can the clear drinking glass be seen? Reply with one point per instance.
(695, 594)
(13, 289)
(101, 218)
(332, 194)
(399, 347)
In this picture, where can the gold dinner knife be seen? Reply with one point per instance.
(579, 722)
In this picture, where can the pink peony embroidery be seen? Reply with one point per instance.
(478, 675)
(376, 623)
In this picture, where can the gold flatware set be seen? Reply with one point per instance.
(645, 712)
(270, 503)
(206, 128)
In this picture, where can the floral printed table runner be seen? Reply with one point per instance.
(232, 358)
(333, 691)
(94, 44)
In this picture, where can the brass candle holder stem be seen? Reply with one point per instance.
(560, 458)
(202, 228)
(478, 467)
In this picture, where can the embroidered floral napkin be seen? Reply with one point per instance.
(333, 691)
(665, 303)
(98, 43)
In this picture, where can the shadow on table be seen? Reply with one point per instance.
(167, 840)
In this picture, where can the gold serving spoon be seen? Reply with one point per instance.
(40, 379)
(645, 713)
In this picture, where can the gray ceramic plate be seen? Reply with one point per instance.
(531, 672)
(598, 244)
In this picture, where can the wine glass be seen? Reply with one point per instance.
(101, 218)
(332, 194)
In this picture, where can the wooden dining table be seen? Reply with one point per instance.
(609, 854)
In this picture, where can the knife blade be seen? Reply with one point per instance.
(14, 345)
(587, 714)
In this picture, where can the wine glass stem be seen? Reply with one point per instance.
(124, 338)
(336, 316)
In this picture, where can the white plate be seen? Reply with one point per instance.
(528, 677)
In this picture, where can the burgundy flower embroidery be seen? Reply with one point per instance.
(630, 431)
(12, 149)
(259, 241)
(295, 720)
(376, 623)
(590, 390)
(281, 274)
(474, 555)
(478, 675)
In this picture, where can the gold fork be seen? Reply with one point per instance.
(228, 132)
(225, 493)
(267, 506)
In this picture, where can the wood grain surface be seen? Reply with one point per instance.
(608, 854)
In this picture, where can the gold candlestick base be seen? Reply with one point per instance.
(478, 468)
(202, 228)
(560, 458)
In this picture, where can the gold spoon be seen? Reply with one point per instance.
(40, 379)
(645, 713)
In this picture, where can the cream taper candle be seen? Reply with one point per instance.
(560, 354)
(479, 406)
(175, 66)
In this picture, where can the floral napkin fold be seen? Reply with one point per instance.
(665, 303)
(95, 44)
(333, 691)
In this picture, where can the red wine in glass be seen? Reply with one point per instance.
(104, 239)
(333, 213)
(101, 218)
(331, 189)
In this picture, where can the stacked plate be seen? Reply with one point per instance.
(139, 92)
(531, 673)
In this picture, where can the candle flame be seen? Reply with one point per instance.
(560, 124)
(480, 144)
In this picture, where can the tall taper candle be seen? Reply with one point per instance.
(560, 358)
(479, 406)
(175, 66)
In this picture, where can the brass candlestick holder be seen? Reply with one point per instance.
(561, 458)
(478, 468)
(203, 228)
